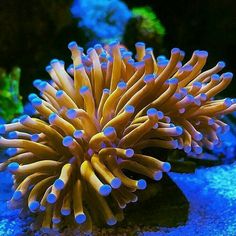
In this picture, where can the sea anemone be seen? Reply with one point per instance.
(76, 162)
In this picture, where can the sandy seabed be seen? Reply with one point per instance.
(211, 193)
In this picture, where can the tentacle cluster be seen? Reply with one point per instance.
(70, 164)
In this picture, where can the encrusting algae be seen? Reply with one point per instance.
(70, 163)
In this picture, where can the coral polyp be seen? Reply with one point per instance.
(75, 161)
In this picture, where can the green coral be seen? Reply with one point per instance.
(10, 99)
(149, 20)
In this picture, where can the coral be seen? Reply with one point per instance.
(144, 25)
(10, 99)
(80, 160)
(104, 20)
(150, 23)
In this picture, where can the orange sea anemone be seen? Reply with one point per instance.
(69, 164)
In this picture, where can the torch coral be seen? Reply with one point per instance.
(71, 162)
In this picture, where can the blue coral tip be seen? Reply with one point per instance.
(197, 84)
(203, 96)
(59, 184)
(152, 112)
(141, 184)
(187, 149)
(105, 190)
(115, 183)
(187, 68)
(140, 44)
(215, 77)
(114, 43)
(198, 136)
(139, 64)
(202, 53)
(166, 166)
(67, 141)
(97, 46)
(14, 166)
(12, 135)
(34, 205)
(131, 62)
(42, 208)
(2, 129)
(111, 221)
(80, 218)
(71, 113)
(146, 57)
(37, 102)
(190, 97)
(89, 50)
(182, 53)
(161, 58)
(52, 117)
(129, 152)
(32, 96)
(17, 195)
(37, 82)
(175, 144)
(162, 63)
(173, 81)
(160, 115)
(175, 51)
(48, 68)
(149, 50)
(221, 64)
(127, 54)
(109, 130)
(179, 130)
(149, 78)
(23, 119)
(79, 67)
(78, 134)
(11, 151)
(70, 68)
(72, 45)
(53, 61)
(34, 137)
(198, 150)
(43, 85)
(83, 89)
(211, 121)
(51, 198)
(129, 109)
(228, 102)
(122, 85)
(106, 90)
(65, 212)
(157, 175)
(59, 93)
(56, 220)
(178, 96)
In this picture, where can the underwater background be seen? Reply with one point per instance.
(199, 196)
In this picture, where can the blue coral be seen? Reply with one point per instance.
(102, 19)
